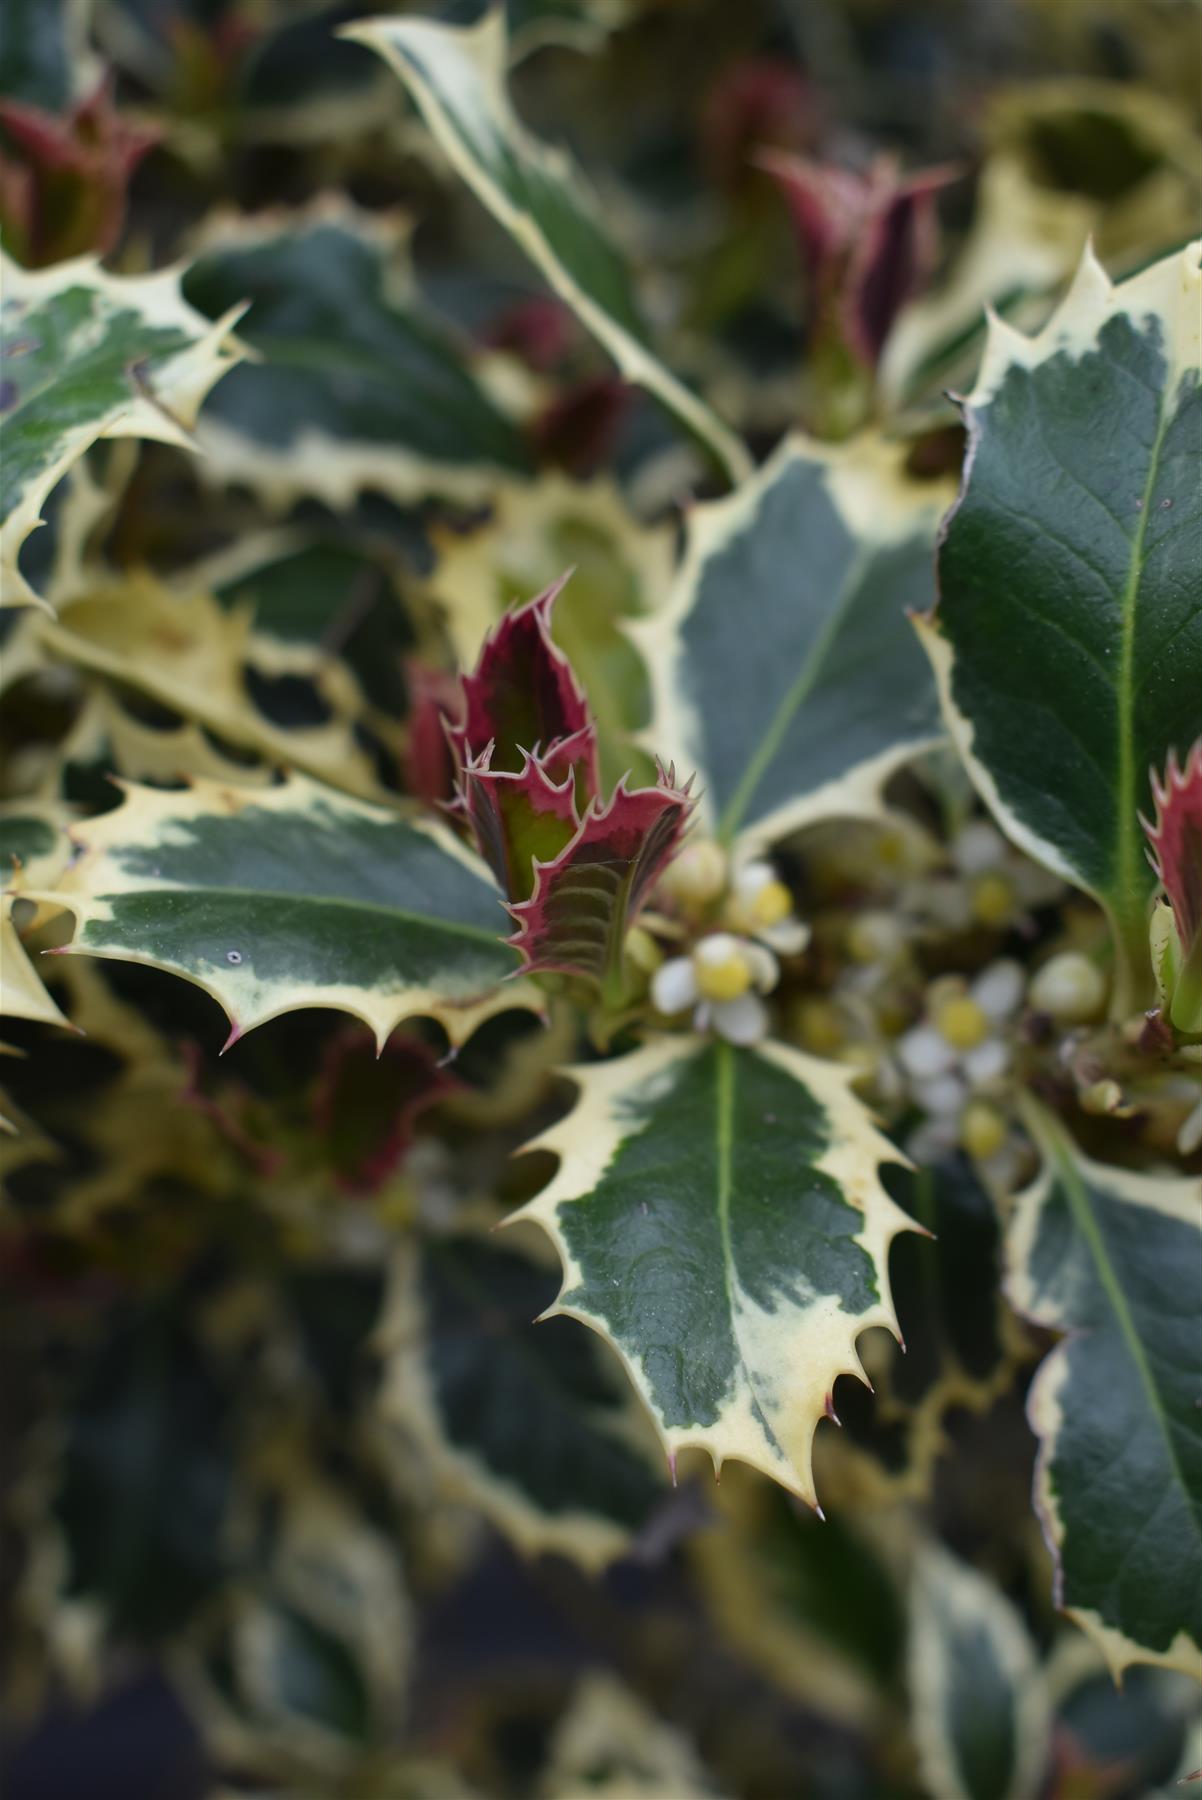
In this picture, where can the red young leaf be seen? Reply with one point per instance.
(1176, 840)
(522, 696)
(582, 903)
(63, 178)
(868, 240)
(518, 816)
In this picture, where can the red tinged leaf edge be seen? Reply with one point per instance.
(522, 670)
(584, 900)
(493, 800)
(1175, 840)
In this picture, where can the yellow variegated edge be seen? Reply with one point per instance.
(880, 504)
(210, 688)
(166, 414)
(608, 1743)
(1177, 1199)
(22, 995)
(809, 1356)
(974, 1602)
(407, 1399)
(513, 541)
(485, 47)
(143, 813)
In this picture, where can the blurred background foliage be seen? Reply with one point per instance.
(299, 1502)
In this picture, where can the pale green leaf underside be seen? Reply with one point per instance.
(90, 355)
(1068, 634)
(721, 1223)
(1110, 1258)
(784, 668)
(277, 898)
(457, 78)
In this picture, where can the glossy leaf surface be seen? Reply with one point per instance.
(1068, 634)
(721, 1223)
(90, 355)
(1109, 1257)
(782, 668)
(273, 899)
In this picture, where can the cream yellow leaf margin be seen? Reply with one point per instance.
(1176, 1199)
(1170, 291)
(465, 68)
(801, 1351)
(881, 505)
(149, 817)
(166, 412)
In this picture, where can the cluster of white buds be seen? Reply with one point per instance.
(957, 1058)
(723, 978)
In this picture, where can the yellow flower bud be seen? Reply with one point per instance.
(642, 950)
(982, 1130)
(722, 971)
(961, 1022)
(1069, 987)
(992, 900)
(773, 903)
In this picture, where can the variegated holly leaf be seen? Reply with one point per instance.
(781, 668)
(33, 853)
(1067, 639)
(978, 1706)
(576, 918)
(186, 652)
(721, 1222)
(272, 899)
(1109, 1257)
(457, 77)
(518, 817)
(356, 386)
(528, 1423)
(88, 355)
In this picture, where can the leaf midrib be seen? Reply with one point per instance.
(395, 913)
(789, 705)
(1082, 1212)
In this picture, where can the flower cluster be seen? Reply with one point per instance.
(743, 924)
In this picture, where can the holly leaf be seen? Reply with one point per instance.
(721, 1223)
(457, 78)
(1067, 639)
(1106, 1256)
(276, 898)
(531, 1425)
(188, 653)
(582, 902)
(33, 851)
(780, 667)
(978, 1706)
(90, 355)
(356, 385)
(523, 697)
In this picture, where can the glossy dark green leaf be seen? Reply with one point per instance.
(783, 667)
(1068, 634)
(293, 896)
(357, 386)
(721, 1223)
(1110, 1258)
